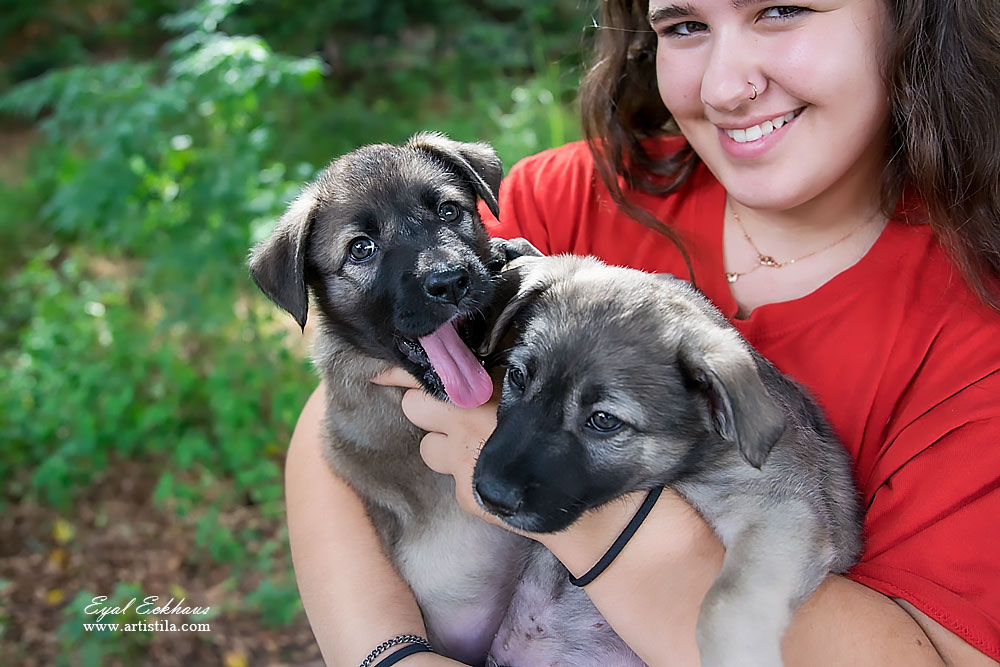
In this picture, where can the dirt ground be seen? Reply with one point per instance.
(116, 534)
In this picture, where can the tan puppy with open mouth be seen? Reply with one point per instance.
(389, 241)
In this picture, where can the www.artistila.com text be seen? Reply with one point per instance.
(157, 626)
(154, 621)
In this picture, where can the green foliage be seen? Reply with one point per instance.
(276, 600)
(66, 31)
(400, 66)
(129, 327)
(164, 175)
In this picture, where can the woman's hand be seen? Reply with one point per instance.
(454, 435)
(452, 444)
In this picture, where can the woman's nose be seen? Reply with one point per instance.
(729, 71)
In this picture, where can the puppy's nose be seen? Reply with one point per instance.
(500, 499)
(447, 285)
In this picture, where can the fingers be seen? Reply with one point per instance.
(396, 377)
(436, 454)
(427, 412)
(444, 455)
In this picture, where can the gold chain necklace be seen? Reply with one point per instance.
(767, 260)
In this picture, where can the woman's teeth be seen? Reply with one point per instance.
(757, 131)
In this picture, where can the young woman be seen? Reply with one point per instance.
(827, 175)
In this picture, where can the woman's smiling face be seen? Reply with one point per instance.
(819, 122)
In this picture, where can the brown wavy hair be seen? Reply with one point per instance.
(941, 68)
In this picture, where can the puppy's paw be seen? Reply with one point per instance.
(731, 634)
(504, 251)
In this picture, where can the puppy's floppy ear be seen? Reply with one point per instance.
(277, 263)
(519, 285)
(505, 251)
(476, 162)
(743, 412)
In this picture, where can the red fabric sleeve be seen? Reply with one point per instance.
(557, 201)
(521, 214)
(932, 527)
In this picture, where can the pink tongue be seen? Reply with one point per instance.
(467, 383)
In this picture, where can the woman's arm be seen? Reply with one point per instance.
(353, 596)
(652, 592)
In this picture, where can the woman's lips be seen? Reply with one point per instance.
(754, 141)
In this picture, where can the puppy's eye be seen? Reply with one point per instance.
(604, 422)
(516, 378)
(362, 249)
(449, 211)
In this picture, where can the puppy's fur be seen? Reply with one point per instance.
(693, 397)
(621, 381)
(374, 238)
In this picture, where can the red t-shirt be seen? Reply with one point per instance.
(896, 349)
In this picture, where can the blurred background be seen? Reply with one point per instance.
(147, 390)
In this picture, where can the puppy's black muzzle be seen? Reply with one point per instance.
(538, 476)
(527, 473)
(499, 498)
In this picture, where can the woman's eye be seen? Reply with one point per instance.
(516, 377)
(449, 211)
(362, 249)
(683, 29)
(604, 422)
(782, 12)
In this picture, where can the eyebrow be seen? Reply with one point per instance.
(669, 12)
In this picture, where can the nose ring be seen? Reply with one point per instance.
(754, 96)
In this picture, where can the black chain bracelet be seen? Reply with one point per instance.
(423, 644)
